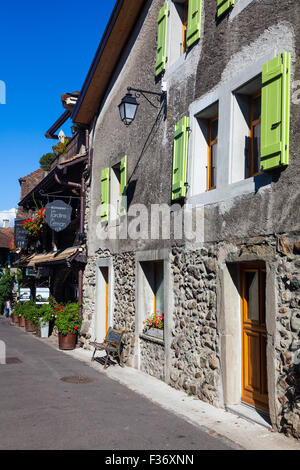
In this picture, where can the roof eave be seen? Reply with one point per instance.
(127, 22)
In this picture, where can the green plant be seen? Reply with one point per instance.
(68, 319)
(31, 312)
(155, 320)
(18, 308)
(6, 283)
(46, 313)
(18, 276)
(47, 160)
(34, 226)
(60, 148)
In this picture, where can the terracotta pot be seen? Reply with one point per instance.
(29, 326)
(21, 321)
(67, 342)
(14, 318)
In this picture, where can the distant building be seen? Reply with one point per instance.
(7, 249)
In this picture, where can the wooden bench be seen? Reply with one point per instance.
(111, 345)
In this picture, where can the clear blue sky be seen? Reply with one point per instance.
(46, 49)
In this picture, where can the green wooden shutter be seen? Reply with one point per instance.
(275, 112)
(123, 183)
(223, 6)
(104, 194)
(161, 49)
(180, 158)
(194, 22)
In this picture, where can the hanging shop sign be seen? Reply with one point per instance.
(58, 215)
(20, 234)
(25, 293)
(42, 295)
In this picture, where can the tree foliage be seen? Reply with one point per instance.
(47, 160)
(6, 284)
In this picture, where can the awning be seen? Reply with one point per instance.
(58, 257)
(23, 261)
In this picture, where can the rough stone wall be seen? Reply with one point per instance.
(124, 303)
(195, 355)
(288, 340)
(124, 299)
(153, 358)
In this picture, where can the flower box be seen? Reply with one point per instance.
(155, 332)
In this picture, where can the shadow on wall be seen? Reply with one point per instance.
(267, 178)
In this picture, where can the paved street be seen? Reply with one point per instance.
(40, 411)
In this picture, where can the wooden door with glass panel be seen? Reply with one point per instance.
(254, 336)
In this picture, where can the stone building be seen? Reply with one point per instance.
(218, 152)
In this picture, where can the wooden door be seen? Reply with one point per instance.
(254, 336)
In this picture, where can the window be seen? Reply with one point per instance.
(247, 129)
(204, 147)
(178, 28)
(184, 18)
(158, 286)
(152, 292)
(253, 164)
(113, 191)
(212, 153)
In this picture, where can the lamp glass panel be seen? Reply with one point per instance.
(122, 111)
(130, 111)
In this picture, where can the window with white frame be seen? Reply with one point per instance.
(206, 149)
(247, 130)
(178, 29)
(151, 289)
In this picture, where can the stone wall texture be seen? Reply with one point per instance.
(195, 355)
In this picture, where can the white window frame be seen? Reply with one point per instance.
(175, 58)
(100, 300)
(140, 313)
(230, 162)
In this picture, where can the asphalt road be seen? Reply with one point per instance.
(39, 411)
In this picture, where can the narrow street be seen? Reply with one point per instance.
(39, 410)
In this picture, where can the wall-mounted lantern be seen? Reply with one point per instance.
(129, 105)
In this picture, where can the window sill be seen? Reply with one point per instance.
(230, 191)
(152, 339)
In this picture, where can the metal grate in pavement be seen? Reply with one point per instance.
(77, 379)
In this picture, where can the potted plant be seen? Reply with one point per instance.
(16, 312)
(31, 316)
(34, 226)
(45, 316)
(68, 322)
(19, 313)
(154, 325)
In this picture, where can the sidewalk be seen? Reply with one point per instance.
(218, 422)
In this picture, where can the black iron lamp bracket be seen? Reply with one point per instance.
(161, 96)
